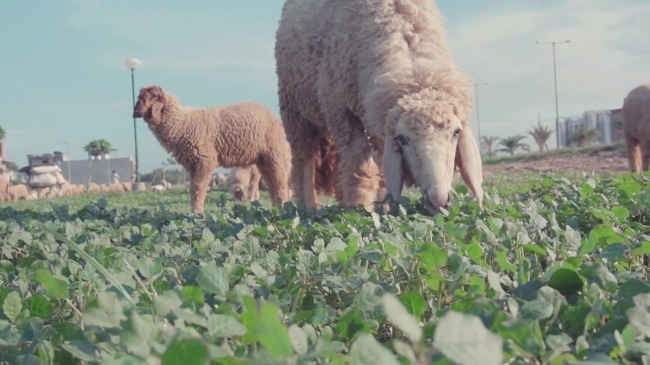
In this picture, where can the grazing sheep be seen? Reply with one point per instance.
(636, 126)
(157, 187)
(202, 139)
(244, 183)
(375, 75)
(19, 192)
(219, 181)
(94, 188)
(5, 183)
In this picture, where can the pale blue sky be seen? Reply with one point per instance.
(63, 78)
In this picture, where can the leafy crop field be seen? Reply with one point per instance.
(554, 270)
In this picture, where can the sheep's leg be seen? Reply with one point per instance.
(200, 178)
(633, 153)
(645, 156)
(359, 174)
(255, 186)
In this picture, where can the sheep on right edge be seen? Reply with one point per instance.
(201, 139)
(636, 126)
(376, 75)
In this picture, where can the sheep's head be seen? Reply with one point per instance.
(151, 102)
(427, 135)
(238, 192)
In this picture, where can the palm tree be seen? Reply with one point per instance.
(584, 137)
(487, 143)
(541, 134)
(512, 144)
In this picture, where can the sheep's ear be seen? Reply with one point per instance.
(156, 111)
(468, 160)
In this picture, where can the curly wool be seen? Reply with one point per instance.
(201, 139)
(361, 61)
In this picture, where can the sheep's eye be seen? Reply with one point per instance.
(456, 133)
(401, 140)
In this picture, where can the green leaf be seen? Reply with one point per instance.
(12, 306)
(367, 351)
(401, 318)
(186, 352)
(432, 257)
(536, 309)
(213, 279)
(350, 323)
(414, 303)
(39, 306)
(298, 339)
(638, 315)
(82, 350)
(271, 333)
(464, 339)
(193, 294)
(149, 267)
(55, 288)
(621, 213)
(565, 281)
(221, 325)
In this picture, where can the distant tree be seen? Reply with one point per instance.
(584, 137)
(3, 134)
(541, 134)
(512, 144)
(488, 144)
(98, 147)
(167, 163)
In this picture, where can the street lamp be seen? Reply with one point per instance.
(133, 63)
(557, 112)
(478, 112)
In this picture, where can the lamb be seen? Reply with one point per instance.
(636, 127)
(376, 75)
(19, 192)
(202, 139)
(244, 183)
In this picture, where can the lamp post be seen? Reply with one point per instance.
(557, 112)
(133, 63)
(478, 113)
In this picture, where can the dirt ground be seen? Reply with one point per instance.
(604, 161)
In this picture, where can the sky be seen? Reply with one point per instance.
(63, 81)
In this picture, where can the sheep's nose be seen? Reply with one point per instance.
(437, 199)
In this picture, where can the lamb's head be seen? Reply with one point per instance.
(427, 135)
(238, 192)
(151, 102)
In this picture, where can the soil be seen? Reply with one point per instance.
(599, 161)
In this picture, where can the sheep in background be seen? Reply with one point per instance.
(219, 181)
(5, 183)
(375, 75)
(636, 126)
(244, 183)
(202, 139)
(94, 188)
(19, 192)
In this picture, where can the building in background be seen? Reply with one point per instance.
(608, 123)
(96, 170)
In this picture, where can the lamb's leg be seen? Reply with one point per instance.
(633, 153)
(255, 186)
(276, 175)
(200, 178)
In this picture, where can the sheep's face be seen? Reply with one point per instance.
(238, 192)
(424, 143)
(151, 101)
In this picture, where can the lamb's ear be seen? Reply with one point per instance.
(468, 160)
(156, 111)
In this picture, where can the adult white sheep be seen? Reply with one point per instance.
(383, 70)
(201, 139)
(636, 125)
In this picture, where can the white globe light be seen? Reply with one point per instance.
(132, 63)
